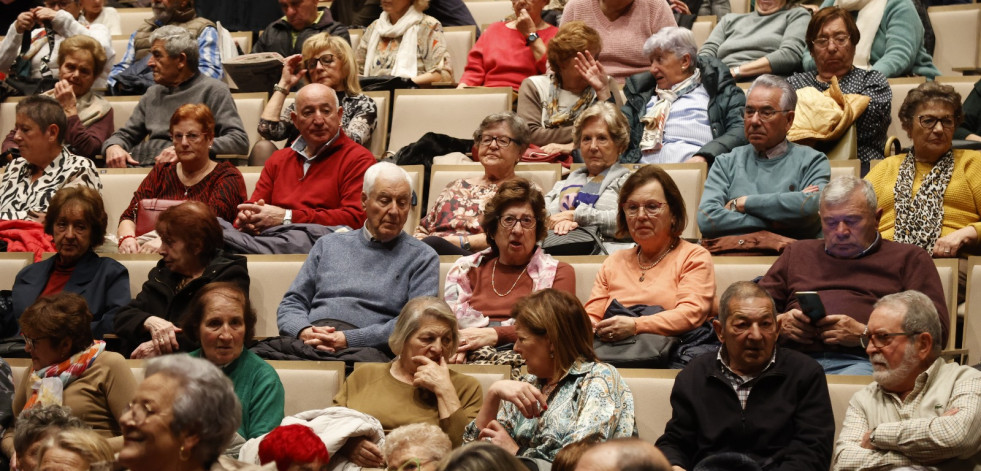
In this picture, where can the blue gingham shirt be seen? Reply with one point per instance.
(687, 128)
(742, 385)
(209, 61)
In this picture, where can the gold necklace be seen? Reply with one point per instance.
(494, 287)
(643, 269)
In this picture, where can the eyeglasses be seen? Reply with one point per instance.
(141, 411)
(766, 114)
(412, 464)
(882, 340)
(191, 137)
(651, 208)
(58, 3)
(502, 141)
(928, 122)
(527, 222)
(29, 341)
(325, 60)
(840, 40)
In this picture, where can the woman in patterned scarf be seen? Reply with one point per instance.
(931, 196)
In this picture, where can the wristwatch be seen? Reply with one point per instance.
(284, 91)
(735, 72)
(288, 217)
(531, 38)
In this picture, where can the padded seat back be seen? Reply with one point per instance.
(11, 263)
(972, 311)
(900, 88)
(947, 268)
(118, 187)
(586, 267)
(958, 31)
(485, 374)
(841, 388)
(485, 12)
(138, 265)
(130, 20)
(309, 385)
(250, 107)
(456, 113)
(271, 276)
(702, 28)
(379, 137)
(459, 41)
(652, 395)
(445, 263)
(851, 167)
(545, 175)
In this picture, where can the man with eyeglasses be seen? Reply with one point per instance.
(770, 186)
(301, 20)
(920, 409)
(850, 269)
(751, 400)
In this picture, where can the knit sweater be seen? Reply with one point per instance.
(898, 49)
(387, 276)
(779, 36)
(151, 119)
(223, 189)
(502, 58)
(774, 201)
(259, 390)
(962, 200)
(623, 38)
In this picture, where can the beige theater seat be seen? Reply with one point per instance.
(652, 395)
(972, 311)
(10, 264)
(485, 374)
(851, 167)
(122, 108)
(119, 43)
(486, 12)
(250, 107)
(250, 173)
(545, 175)
(702, 28)
(900, 88)
(130, 20)
(138, 265)
(355, 34)
(271, 276)
(456, 113)
(118, 186)
(415, 174)
(729, 270)
(459, 41)
(841, 388)
(948, 271)
(379, 136)
(963, 84)
(958, 31)
(586, 268)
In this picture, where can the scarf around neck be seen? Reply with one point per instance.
(919, 218)
(48, 383)
(658, 113)
(554, 117)
(407, 28)
(870, 14)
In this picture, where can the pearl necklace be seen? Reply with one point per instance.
(643, 269)
(494, 286)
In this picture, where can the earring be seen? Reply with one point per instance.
(551, 355)
(181, 454)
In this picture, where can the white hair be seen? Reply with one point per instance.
(383, 169)
(788, 96)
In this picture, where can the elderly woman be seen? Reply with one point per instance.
(508, 52)
(76, 221)
(46, 166)
(294, 447)
(515, 223)
(194, 176)
(94, 12)
(684, 108)
(880, 48)
(588, 197)
(452, 225)
(90, 118)
(769, 40)
(191, 244)
(327, 60)
(182, 415)
(931, 196)
(221, 319)
(551, 103)
(69, 368)
(831, 39)
(405, 43)
(567, 395)
(415, 387)
(34, 427)
(419, 445)
(480, 456)
(76, 449)
(663, 270)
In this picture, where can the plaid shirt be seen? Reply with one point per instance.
(741, 384)
(209, 60)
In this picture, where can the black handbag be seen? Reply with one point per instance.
(579, 241)
(19, 81)
(640, 350)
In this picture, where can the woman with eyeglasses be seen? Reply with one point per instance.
(831, 39)
(663, 269)
(931, 196)
(71, 369)
(483, 287)
(327, 60)
(194, 176)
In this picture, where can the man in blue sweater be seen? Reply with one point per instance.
(362, 278)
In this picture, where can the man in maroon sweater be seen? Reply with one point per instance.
(850, 269)
(316, 180)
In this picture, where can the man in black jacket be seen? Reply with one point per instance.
(752, 398)
(302, 20)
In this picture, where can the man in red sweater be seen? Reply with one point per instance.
(316, 180)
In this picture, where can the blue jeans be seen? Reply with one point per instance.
(836, 363)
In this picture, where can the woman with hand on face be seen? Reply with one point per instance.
(404, 42)
(416, 387)
(566, 396)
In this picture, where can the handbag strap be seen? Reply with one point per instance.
(596, 237)
(49, 32)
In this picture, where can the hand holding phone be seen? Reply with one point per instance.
(811, 305)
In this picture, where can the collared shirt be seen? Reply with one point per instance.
(774, 152)
(688, 128)
(741, 384)
(370, 237)
(875, 244)
(300, 146)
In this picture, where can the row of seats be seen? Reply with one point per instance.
(312, 385)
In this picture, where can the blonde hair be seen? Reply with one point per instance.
(342, 52)
(87, 443)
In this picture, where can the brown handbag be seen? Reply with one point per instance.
(755, 243)
(149, 211)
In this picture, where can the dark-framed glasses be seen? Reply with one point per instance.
(651, 208)
(325, 60)
(882, 340)
(928, 122)
(527, 222)
(766, 114)
(30, 341)
(840, 40)
(502, 141)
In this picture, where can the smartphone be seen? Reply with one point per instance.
(811, 305)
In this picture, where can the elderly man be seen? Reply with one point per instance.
(302, 19)
(316, 180)
(391, 268)
(178, 13)
(771, 184)
(623, 453)
(751, 398)
(920, 409)
(850, 269)
(145, 139)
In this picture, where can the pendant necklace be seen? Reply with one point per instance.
(643, 269)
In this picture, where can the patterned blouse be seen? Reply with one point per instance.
(590, 398)
(432, 55)
(457, 210)
(358, 121)
(20, 198)
(223, 189)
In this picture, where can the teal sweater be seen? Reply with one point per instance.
(260, 391)
(779, 37)
(772, 187)
(897, 49)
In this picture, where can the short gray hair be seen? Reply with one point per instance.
(840, 189)
(739, 291)
(616, 124)
(386, 169)
(408, 322)
(676, 40)
(35, 423)
(920, 314)
(206, 404)
(430, 438)
(521, 135)
(177, 40)
(87, 443)
(788, 96)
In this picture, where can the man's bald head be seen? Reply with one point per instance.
(317, 115)
(624, 454)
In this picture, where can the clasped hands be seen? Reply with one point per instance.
(325, 339)
(254, 218)
(163, 338)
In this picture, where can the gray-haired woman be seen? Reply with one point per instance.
(685, 108)
(452, 225)
(415, 387)
(184, 413)
(422, 445)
